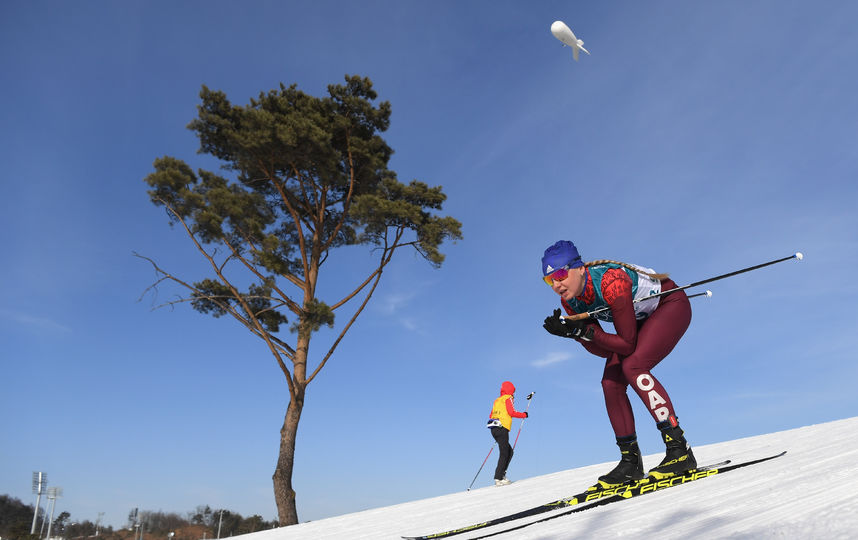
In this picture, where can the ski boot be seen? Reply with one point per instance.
(629, 469)
(679, 458)
(503, 481)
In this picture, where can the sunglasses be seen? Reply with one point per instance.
(558, 275)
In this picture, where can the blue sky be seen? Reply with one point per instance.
(696, 139)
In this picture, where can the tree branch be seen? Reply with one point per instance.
(260, 330)
(387, 255)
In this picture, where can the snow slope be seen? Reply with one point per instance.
(812, 492)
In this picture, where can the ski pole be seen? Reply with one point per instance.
(529, 396)
(797, 256)
(481, 467)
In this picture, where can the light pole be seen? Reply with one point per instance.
(132, 518)
(53, 493)
(40, 480)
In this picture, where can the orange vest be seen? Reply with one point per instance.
(499, 411)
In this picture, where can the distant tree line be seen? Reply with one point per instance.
(16, 519)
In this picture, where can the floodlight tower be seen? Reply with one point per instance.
(53, 493)
(40, 480)
(135, 523)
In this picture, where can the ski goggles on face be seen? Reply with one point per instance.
(558, 275)
(561, 273)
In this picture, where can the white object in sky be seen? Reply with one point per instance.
(564, 34)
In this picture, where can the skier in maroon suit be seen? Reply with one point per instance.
(646, 332)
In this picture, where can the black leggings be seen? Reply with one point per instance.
(501, 435)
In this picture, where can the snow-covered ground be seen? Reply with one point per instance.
(810, 493)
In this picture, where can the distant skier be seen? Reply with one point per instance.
(500, 423)
(646, 332)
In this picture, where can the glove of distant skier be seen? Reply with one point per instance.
(557, 325)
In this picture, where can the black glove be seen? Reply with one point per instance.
(525, 414)
(557, 325)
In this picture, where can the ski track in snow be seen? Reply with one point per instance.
(810, 493)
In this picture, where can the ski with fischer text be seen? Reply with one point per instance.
(642, 489)
(597, 496)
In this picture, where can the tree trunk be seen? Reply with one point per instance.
(284, 495)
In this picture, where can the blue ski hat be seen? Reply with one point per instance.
(562, 253)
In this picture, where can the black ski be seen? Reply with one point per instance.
(592, 494)
(643, 489)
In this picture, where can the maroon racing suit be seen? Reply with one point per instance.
(637, 347)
